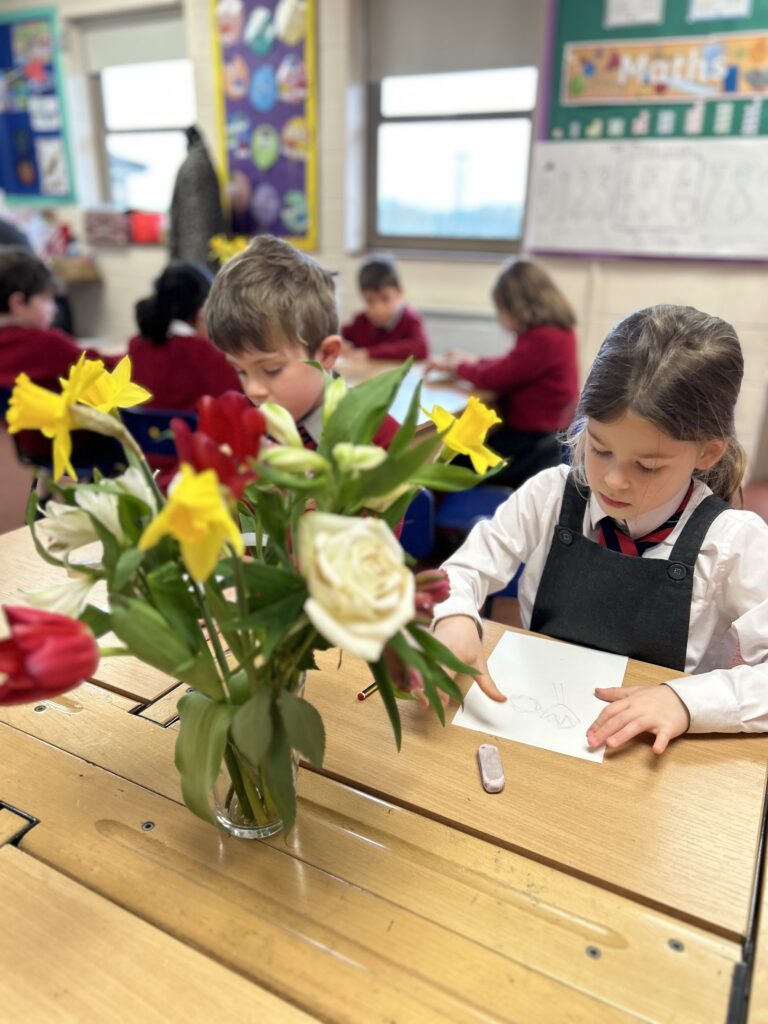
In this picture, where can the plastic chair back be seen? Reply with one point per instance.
(150, 427)
(418, 534)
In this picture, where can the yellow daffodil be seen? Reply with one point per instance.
(113, 390)
(466, 435)
(198, 518)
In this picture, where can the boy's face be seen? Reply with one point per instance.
(37, 311)
(283, 376)
(382, 305)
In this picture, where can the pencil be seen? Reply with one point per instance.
(368, 691)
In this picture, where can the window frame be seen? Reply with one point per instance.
(431, 243)
(102, 132)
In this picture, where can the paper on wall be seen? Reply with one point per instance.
(550, 694)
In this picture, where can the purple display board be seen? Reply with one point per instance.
(265, 75)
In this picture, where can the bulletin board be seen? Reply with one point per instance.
(266, 87)
(653, 130)
(35, 161)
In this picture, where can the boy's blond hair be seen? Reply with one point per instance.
(268, 295)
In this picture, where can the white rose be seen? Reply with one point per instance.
(360, 592)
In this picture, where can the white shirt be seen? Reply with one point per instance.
(728, 630)
(180, 329)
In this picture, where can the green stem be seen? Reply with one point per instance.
(213, 636)
(113, 652)
(242, 607)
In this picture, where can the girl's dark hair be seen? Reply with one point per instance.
(180, 293)
(525, 291)
(680, 370)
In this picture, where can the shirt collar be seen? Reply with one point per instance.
(180, 329)
(643, 524)
(313, 423)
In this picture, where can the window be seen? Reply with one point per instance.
(146, 108)
(449, 158)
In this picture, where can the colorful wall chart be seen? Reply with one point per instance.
(35, 163)
(265, 77)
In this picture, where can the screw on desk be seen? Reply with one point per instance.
(676, 945)
(147, 826)
(593, 952)
(39, 707)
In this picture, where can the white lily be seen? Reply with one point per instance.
(134, 482)
(103, 507)
(281, 425)
(295, 460)
(64, 598)
(334, 394)
(66, 529)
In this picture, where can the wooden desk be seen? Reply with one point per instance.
(387, 902)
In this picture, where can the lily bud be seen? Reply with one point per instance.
(295, 460)
(46, 655)
(281, 425)
(334, 394)
(354, 459)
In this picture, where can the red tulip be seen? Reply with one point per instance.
(432, 587)
(47, 654)
(231, 420)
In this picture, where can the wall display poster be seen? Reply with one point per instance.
(35, 162)
(265, 64)
(653, 137)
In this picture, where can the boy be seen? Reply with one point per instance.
(270, 309)
(388, 329)
(28, 343)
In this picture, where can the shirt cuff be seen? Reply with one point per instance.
(457, 607)
(710, 702)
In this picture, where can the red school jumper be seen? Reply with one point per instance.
(405, 338)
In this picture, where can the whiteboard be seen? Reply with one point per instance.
(685, 198)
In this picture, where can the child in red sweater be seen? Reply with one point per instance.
(172, 355)
(28, 343)
(387, 329)
(537, 380)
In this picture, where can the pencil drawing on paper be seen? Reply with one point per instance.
(559, 714)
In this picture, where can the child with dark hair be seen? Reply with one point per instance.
(387, 328)
(172, 355)
(28, 343)
(272, 309)
(636, 549)
(537, 380)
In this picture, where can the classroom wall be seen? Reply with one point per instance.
(602, 291)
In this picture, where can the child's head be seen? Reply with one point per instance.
(657, 408)
(272, 308)
(525, 296)
(179, 294)
(380, 287)
(26, 289)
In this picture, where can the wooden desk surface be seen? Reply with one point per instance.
(377, 901)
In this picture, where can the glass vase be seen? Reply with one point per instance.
(243, 804)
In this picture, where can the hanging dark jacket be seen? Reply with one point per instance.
(196, 214)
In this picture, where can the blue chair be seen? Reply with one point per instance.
(151, 429)
(418, 533)
(459, 511)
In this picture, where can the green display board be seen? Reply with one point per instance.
(687, 72)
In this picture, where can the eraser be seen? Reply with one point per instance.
(491, 770)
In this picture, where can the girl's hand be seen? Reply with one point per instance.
(445, 365)
(635, 709)
(459, 634)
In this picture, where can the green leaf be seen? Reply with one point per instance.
(278, 773)
(361, 411)
(275, 621)
(98, 621)
(150, 637)
(303, 726)
(404, 435)
(127, 563)
(170, 593)
(442, 477)
(203, 728)
(387, 691)
(396, 470)
(252, 727)
(437, 651)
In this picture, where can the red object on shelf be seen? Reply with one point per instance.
(147, 228)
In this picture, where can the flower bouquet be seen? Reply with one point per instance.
(262, 553)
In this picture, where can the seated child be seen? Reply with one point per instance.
(172, 356)
(271, 308)
(636, 550)
(537, 380)
(388, 329)
(28, 343)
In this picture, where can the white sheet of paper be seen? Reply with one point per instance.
(550, 694)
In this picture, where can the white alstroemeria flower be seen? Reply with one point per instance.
(103, 506)
(360, 592)
(281, 425)
(134, 482)
(334, 394)
(64, 598)
(383, 501)
(66, 529)
(295, 460)
(355, 458)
